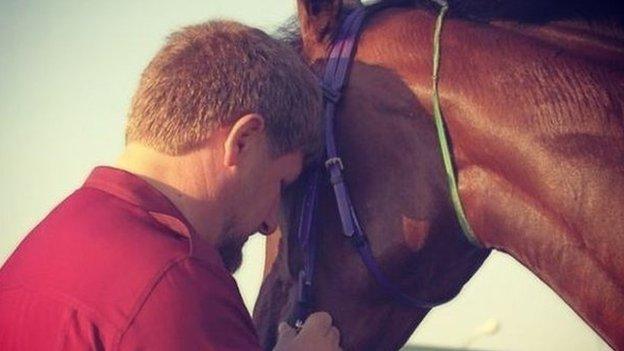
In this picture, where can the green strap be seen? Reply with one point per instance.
(439, 122)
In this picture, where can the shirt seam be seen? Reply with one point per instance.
(145, 295)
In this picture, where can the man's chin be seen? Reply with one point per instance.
(232, 263)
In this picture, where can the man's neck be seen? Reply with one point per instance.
(183, 180)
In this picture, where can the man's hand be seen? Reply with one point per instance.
(317, 334)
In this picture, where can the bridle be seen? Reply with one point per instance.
(333, 82)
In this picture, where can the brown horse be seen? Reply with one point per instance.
(534, 112)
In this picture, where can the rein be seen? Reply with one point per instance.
(332, 84)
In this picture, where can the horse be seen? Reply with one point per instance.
(532, 95)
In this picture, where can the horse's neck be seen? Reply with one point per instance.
(538, 137)
(542, 173)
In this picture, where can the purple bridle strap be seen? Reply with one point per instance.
(334, 80)
(307, 243)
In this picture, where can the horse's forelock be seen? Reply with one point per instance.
(289, 32)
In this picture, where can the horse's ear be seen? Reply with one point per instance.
(319, 20)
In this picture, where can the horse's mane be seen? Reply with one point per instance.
(485, 11)
(526, 11)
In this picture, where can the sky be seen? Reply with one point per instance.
(67, 72)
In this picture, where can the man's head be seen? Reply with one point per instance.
(242, 101)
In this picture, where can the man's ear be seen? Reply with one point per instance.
(244, 134)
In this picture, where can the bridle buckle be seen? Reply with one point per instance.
(333, 162)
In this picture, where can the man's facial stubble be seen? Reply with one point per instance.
(230, 247)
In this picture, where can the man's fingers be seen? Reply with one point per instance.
(334, 335)
(317, 331)
(321, 320)
(317, 323)
(286, 330)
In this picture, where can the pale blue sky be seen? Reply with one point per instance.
(67, 72)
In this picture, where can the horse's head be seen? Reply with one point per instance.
(387, 141)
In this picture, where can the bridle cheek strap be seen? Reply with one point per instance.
(336, 71)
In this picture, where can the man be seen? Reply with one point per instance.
(140, 256)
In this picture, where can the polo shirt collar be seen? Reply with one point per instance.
(135, 190)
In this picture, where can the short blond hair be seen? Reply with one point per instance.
(209, 75)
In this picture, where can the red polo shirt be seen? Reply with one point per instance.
(117, 267)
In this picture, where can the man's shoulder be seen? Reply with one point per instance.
(92, 226)
(97, 249)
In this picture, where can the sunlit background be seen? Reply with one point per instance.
(67, 72)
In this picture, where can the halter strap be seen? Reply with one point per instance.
(336, 72)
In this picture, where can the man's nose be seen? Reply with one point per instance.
(267, 228)
(270, 223)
